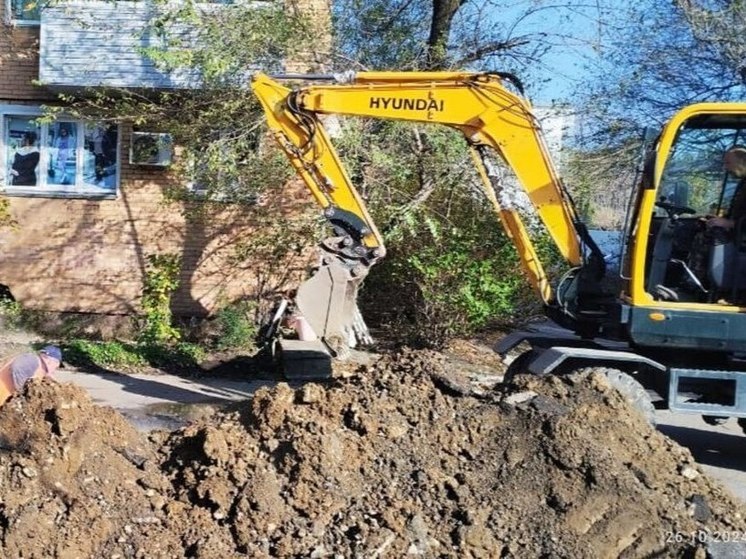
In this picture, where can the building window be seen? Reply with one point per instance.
(24, 12)
(69, 158)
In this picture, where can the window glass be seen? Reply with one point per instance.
(694, 175)
(25, 10)
(64, 157)
(62, 150)
(22, 151)
(100, 156)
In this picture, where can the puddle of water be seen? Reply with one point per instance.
(145, 424)
(169, 416)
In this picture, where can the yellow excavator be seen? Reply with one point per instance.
(665, 331)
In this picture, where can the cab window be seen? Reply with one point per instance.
(694, 176)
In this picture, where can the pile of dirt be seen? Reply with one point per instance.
(405, 458)
(75, 479)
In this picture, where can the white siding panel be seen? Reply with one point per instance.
(96, 43)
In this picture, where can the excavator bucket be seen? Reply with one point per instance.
(327, 303)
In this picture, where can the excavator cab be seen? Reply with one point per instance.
(675, 255)
(687, 259)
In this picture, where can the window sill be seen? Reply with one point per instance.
(65, 194)
(25, 23)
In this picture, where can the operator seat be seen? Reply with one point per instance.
(727, 263)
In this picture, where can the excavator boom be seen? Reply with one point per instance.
(489, 116)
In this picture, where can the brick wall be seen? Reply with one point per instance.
(90, 256)
(75, 255)
(19, 61)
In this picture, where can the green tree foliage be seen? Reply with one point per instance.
(218, 125)
(440, 283)
(449, 270)
(380, 34)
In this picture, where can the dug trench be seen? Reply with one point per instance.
(404, 457)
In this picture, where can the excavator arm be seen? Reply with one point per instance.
(490, 117)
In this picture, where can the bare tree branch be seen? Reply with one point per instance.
(491, 48)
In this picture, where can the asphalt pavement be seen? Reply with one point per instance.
(719, 449)
(161, 401)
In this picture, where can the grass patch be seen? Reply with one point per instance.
(236, 328)
(132, 357)
(12, 313)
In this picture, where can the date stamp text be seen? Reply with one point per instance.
(704, 537)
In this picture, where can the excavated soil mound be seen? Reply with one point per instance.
(75, 479)
(406, 458)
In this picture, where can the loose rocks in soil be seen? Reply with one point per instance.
(398, 460)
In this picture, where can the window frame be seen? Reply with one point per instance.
(76, 190)
(12, 20)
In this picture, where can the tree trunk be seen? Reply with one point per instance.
(440, 30)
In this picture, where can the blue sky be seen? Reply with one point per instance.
(575, 34)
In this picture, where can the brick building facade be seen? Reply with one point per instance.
(88, 221)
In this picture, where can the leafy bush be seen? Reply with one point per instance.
(161, 280)
(107, 355)
(12, 313)
(467, 278)
(124, 356)
(236, 327)
(178, 356)
(450, 269)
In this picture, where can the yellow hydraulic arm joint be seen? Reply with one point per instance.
(306, 144)
(485, 111)
(516, 231)
(328, 299)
